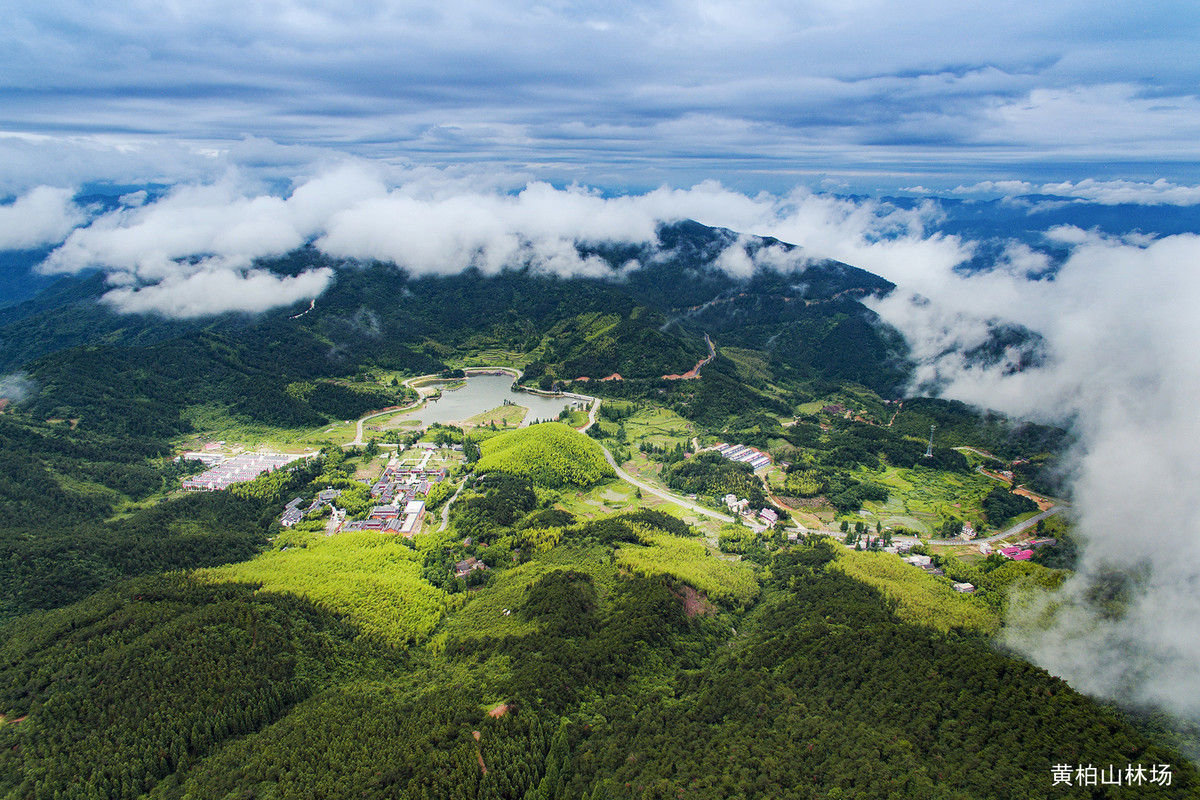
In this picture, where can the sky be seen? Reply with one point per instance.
(469, 132)
(859, 95)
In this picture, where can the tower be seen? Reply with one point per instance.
(929, 450)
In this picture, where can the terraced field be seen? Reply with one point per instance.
(922, 500)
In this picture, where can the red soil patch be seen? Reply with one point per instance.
(1042, 503)
(695, 603)
(499, 711)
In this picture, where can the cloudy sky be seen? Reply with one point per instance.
(859, 94)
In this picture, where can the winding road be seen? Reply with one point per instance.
(668, 496)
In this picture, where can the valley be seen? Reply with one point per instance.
(687, 581)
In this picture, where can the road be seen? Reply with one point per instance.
(1013, 531)
(668, 496)
(446, 508)
(358, 437)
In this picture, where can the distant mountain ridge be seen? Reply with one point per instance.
(808, 319)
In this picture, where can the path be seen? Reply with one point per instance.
(694, 372)
(421, 395)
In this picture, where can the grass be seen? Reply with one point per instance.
(491, 357)
(921, 499)
(215, 423)
(484, 614)
(919, 598)
(510, 416)
(550, 454)
(658, 427)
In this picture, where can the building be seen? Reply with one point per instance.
(464, 568)
(964, 588)
(239, 469)
(1016, 553)
(768, 516)
(744, 453)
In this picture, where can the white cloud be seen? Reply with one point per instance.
(16, 386)
(216, 289)
(1117, 320)
(1105, 192)
(43, 216)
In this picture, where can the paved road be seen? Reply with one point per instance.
(446, 508)
(1013, 531)
(668, 496)
(358, 437)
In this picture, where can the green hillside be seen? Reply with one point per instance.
(550, 454)
(606, 683)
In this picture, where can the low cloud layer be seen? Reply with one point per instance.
(1120, 325)
(192, 251)
(15, 387)
(1159, 192)
(42, 217)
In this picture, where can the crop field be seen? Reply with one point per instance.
(491, 357)
(372, 579)
(922, 499)
(658, 427)
(214, 423)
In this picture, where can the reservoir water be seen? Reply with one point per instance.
(483, 393)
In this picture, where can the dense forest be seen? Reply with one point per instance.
(606, 685)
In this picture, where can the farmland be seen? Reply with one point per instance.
(921, 499)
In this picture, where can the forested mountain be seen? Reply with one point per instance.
(533, 643)
(90, 361)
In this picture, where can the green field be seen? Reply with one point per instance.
(658, 427)
(549, 454)
(504, 416)
(214, 423)
(484, 614)
(921, 500)
(689, 561)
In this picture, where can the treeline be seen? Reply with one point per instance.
(830, 696)
(551, 455)
(58, 544)
(611, 689)
(1001, 505)
(960, 425)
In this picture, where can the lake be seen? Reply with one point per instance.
(483, 393)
